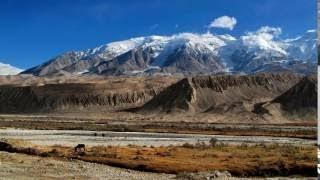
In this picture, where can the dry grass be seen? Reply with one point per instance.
(240, 160)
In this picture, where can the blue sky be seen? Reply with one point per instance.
(34, 31)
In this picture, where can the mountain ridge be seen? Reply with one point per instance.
(189, 53)
(201, 93)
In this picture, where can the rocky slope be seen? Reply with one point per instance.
(188, 53)
(219, 93)
(297, 103)
(104, 95)
(302, 95)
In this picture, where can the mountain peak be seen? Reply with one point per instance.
(7, 69)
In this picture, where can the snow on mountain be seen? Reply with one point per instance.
(163, 46)
(251, 52)
(303, 47)
(113, 49)
(7, 69)
(251, 48)
(264, 38)
(254, 51)
(159, 44)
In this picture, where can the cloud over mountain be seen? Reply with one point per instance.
(225, 22)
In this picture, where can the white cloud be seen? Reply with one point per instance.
(265, 38)
(225, 22)
(266, 32)
(274, 31)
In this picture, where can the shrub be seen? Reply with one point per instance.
(44, 154)
(213, 142)
(31, 151)
(138, 152)
(221, 145)
(201, 145)
(4, 146)
(244, 145)
(163, 154)
(81, 153)
(188, 145)
(54, 151)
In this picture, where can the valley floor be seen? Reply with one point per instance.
(243, 160)
(108, 138)
(21, 166)
(179, 124)
(154, 144)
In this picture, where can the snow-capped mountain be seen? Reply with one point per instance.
(7, 69)
(303, 47)
(253, 49)
(190, 53)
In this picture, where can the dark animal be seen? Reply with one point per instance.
(80, 148)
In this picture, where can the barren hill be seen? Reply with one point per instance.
(298, 103)
(261, 98)
(95, 95)
(210, 93)
(302, 95)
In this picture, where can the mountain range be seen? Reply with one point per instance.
(189, 54)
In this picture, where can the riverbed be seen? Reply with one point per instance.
(94, 138)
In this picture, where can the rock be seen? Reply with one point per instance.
(204, 175)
